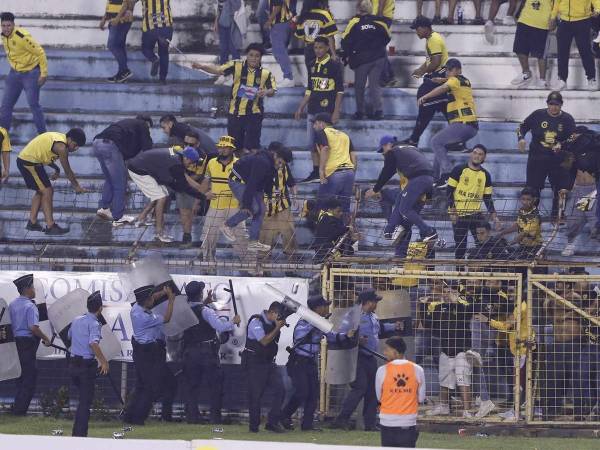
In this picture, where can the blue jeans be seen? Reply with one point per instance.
(388, 200)
(226, 46)
(339, 184)
(158, 36)
(14, 84)
(408, 206)
(280, 38)
(115, 174)
(257, 208)
(117, 38)
(454, 133)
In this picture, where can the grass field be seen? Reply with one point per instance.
(157, 430)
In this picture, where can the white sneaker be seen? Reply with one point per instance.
(521, 79)
(560, 85)
(164, 238)
(467, 415)
(591, 85)
(256, 246)
(220, 80)
(439, 410)
(144, 223)
(228, 233)
(104, 213)
(478, 401)
(286, 83)
(508, 415)
(541, 84)
(125, 220)
(569, 249)
(489, 28)
(474, 358)
(398, 234)
(508, 20)
(485, 408)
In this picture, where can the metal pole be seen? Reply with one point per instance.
(123, 380)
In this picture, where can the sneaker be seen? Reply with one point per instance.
(560, 85)
(220, 80)
(56, 230)
(467, 415)
(313, 177)
(33, 226)
(474, 358)
(508, 21)
(274, 428)
(398, 234)
(542, 84)
(436, 20)
(485, 408)
(186, 241)
(287, 424)
(591, 85)
(113, 79)
(124, 220)
(228, 233)
(569, 249)
(508, 415)
(521, 79)
(164, 238)
(154, 68)
(439, 410)
(442, 183)
(144, 223)
(286, 83)
(489, 28)
(377, 115)
(388, 235)
(256, 246)
(478, 21)
(104, 213)
(124, 76)
(432, 236)
(358, 116)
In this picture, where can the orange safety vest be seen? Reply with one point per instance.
(400, 390)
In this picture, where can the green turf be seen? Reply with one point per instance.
(157, 430)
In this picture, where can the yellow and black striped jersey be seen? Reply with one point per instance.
(317, 22)
(280, 199)
(285, 14)
(156, 14)
(461, 106)
(246, 83)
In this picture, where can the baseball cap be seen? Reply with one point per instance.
(453, 63)
(193, 289)
(387, 139)
(368, 295)
(554, 98)
(191, 153)
(323, 117)
(314, 301)
(421, 21)
(226, 141)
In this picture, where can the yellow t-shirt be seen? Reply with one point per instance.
(469, 188)
(340, 147)
(4, 140)
(388, 8)
(435, 45)
(461, 106)
(536, 13)
(219, 184)
(530, 225)
(39, 149)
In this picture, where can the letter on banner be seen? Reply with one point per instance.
(10, 367)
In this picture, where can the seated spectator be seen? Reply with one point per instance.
(364, 43)
(176, 132)
(279, 221)
(279, 22)
(5, 149)
(230, 36)
(44, 150)
(528, 226)
(332, 237)
(488, 246)
(509, 19)
(158, 170)
(315, 20)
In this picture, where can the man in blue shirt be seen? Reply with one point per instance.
(24, 317)
(302, 365)
(147, 330)
(363, 387)
(85, 336)
(201, 353)
(258, 358)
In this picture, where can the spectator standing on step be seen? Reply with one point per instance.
(323, 94)
(315, 20)
(531, 39)
(119, 15)
(469, 185)
(364, 43)
(550, 128)
(509, 19)
(41, 151)
(28, 72)
(251, 84)
(230, 36)
(433, 71)
(5, 149)
(575, 23)
(112, 147)
(279, 22)
(461, 115)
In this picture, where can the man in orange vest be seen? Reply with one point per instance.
(400, 387)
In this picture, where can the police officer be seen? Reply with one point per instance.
(86, 354)
(201, 353)
(24, 317)
(148, 355)
(302, 365)
(258, 358)
(363, 387)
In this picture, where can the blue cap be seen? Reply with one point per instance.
(191, 154)
(194, 289)
(387, 139)
(314, 301)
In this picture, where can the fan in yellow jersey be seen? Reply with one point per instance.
(462, 119)
(42, 151)
(315, 20)
(5, 150)
(251, 84)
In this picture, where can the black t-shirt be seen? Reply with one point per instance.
(131, 136)
(325, 81)
(451, 322)
(546, 130)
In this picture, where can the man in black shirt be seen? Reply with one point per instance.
(488, 246)
(176, 131)
(324, 93)
(550, 128)
(118, 143)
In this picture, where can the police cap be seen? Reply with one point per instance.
(314, 301)
(24, 282)
(94, 302)
(143, 293)
(194, 289)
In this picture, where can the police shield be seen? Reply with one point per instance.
(147, 271)
(183, 317)
(45, 327)
(10, 367)
(342, 358)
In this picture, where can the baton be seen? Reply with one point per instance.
(230, 290)
(2, 314)
(372, 352)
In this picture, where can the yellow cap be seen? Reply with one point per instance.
(226, 141)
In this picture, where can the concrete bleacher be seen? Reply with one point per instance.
(77, 95)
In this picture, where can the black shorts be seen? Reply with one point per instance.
(246, 130)
(542, 166)
(530, 41)
(35, 175)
